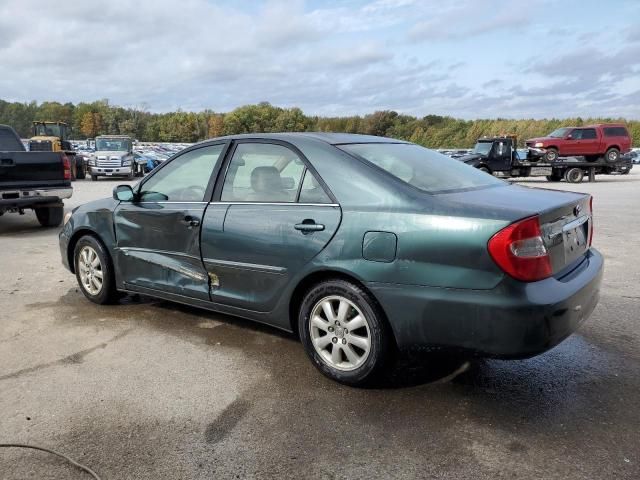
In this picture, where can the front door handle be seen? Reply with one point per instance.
(309, 226)
(191, 221)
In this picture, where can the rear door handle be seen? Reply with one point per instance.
(191, 221)
(308, 226)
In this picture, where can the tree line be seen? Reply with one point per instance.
(100, 117)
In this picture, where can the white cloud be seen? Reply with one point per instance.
(340, 58)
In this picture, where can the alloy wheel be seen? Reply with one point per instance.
(91, 272)
(340, 333)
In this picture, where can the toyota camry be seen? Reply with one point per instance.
(359, 244)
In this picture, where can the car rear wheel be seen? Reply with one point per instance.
(574, 175)
(551, 155)
(94, 271)
(49, 216)
(612, 155)
(344, 332)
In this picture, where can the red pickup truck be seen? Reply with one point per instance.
(592, 142)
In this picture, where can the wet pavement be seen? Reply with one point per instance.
(151, 390)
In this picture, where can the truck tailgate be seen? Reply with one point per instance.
(31, 170)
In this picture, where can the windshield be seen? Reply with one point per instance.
(113, 144)
(483, 148)
(47, 130)
(422, 168)
(559, 133)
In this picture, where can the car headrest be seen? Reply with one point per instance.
(265, 179)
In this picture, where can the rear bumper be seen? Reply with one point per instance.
(514, 320)
(23, 198)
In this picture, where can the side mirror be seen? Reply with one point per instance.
(123, 193)
(569, 137)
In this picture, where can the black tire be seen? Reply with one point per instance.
(377, 330)
(108, 293)
(574, 175)
(554, 178)
(94, 178)
(485, 170)
(612, 155)
(82, 171)
(551, 155)
(49, 216)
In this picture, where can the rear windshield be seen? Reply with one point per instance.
(422, 168)
(615, 132)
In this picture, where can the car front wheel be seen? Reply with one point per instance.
(344, 332)
(551, 155)
(94, 271)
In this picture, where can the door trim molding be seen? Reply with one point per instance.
(245, 266)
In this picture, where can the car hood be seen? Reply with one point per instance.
(542, 139)
(509, 202)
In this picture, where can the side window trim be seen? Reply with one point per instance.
(224, 168)
(304, 175)
(212, 178)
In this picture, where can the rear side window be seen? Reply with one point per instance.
(262, 172)
(615, 132)
(9, 141)
(422, 168)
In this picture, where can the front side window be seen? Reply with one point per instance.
(589, 134)
(576, 134)
(183, 179)
(262, 172)
(422, 168)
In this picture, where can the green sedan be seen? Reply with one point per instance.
(360, 244)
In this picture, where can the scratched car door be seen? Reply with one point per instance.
(158, 233)
(273, 217)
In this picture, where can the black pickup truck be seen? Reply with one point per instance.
(36, 180)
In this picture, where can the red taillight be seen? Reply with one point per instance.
(66, 165)
(519, 250)
(590, 220)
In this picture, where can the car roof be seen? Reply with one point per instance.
(327, 137)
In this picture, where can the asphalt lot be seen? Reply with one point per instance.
(152, 390)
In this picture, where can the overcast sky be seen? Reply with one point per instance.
(465, 58)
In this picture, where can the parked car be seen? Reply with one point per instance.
(594, 141)
(33, 180)
(361, 244)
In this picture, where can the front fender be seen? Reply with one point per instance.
(94, 218)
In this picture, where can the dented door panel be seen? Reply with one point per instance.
(158, 246)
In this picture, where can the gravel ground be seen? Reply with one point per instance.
(152, 390)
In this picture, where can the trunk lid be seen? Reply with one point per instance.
(565, 217)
